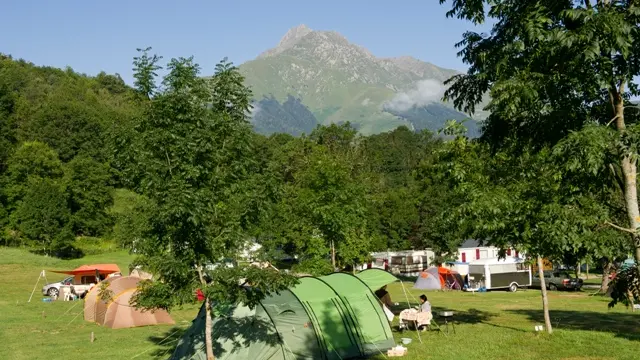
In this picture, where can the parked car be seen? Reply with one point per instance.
(555, 280)
(53, 289)
(79, 286)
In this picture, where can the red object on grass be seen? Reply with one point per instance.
(200, 295)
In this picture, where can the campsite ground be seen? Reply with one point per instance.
(495, 325)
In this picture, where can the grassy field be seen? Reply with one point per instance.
(495, 325)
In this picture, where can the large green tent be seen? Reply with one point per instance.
(376, 278)
(330, 317)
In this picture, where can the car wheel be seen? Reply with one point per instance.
(53, 292)
(513, 287)
(553, 287)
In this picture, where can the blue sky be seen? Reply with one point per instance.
(91, 36)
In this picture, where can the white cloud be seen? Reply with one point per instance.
(425, 92)
(366, 102)
(255, 108)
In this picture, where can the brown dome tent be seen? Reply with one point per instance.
(116, 312)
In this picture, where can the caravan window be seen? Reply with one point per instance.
(476, 269)
(521, 267)
(397, 260)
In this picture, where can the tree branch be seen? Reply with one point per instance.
(587, 3)
(631, 231)
(612, 96)
(168, 161)
(617, 178)
(610, 121)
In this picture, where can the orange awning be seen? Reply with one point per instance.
(103, 269)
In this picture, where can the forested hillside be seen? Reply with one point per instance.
(59, 132)
(66, 179)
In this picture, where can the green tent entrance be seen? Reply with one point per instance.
(331, 317)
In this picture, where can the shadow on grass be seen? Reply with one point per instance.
(167, 342)
(624, 325)
(471, 316)
(68, 253)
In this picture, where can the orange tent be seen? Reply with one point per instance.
(115, 312)
(450, 277)
(102, 269)
(98, 270)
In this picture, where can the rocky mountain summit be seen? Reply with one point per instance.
(338, 81)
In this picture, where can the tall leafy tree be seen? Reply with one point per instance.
(320, 208)
(193, 157)
(520, 198)
(31, 161)
(43, 216)
(552, 67)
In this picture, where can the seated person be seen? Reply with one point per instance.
(425, 307)
(384, 296)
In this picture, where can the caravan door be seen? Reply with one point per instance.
(479, 276)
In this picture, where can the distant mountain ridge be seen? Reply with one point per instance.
(319, 77)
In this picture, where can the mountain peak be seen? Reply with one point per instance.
(288, 40)
(294, 34)
(338, 81)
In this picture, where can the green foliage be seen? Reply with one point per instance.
(88, 187)
(524, 199)
(559, 73)
(31, 161)
(321, 202)
(61, 127)
(42, 214)
(193, 158)
(550, 66)
(63, 244)
(132, 217)
(104, 293)
(145, 75)
(625, 287)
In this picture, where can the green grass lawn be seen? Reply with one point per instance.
(496, 325)
(593, 280)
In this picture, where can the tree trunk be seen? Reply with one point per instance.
(578, 270)
(208, 340)
(629, 171)
(207, 331)
(545, 300)
(333, 255)
(587, 270)
(606, 269)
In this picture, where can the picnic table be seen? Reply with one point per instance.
(415, 316)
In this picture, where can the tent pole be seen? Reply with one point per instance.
(415, 323)
(405, 293)
(35, 286)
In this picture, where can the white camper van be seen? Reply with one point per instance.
(494, 273)
(403, 263)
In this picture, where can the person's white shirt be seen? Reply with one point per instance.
(425, 307)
